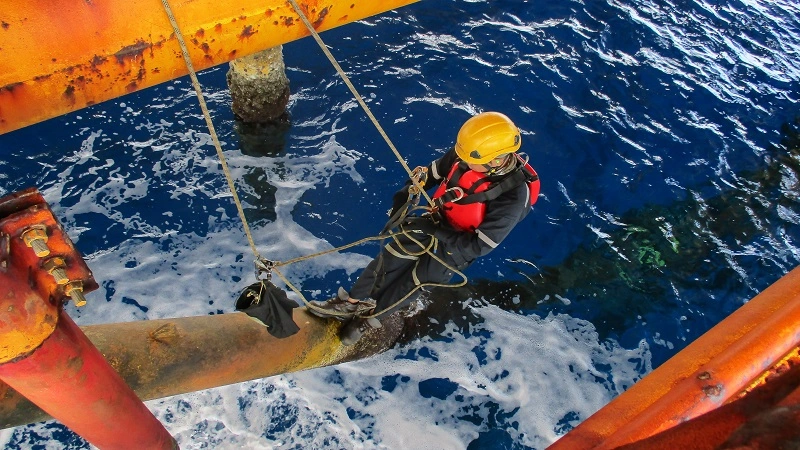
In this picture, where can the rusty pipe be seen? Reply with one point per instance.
(160, 358)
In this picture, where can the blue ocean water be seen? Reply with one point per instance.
(666, 138)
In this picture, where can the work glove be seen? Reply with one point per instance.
(423, 225)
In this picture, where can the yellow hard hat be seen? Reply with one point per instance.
(486, 136)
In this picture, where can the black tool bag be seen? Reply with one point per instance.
(269, 305)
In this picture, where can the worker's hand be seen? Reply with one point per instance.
(422, 225)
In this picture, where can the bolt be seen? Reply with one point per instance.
(35, 237)
(56, 266)
(60, 275)
(75, 290)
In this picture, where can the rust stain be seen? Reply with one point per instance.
(69, 93)
(105, 72)
(74, 368)
(712, 391)
(97, 60)
(132, 51)
(10, 87)
(232, 54)
(166, 334)
(142, 72)
(247, 32)
(80, 81)
(321, 18)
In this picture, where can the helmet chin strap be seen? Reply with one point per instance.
(507, 166)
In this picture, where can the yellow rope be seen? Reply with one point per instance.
(419, 188)
(210, 125)
(232, 187)
(358, 97)
(427, 249)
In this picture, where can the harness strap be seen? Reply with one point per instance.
(455, 177)
(508, 183)
(465, 197)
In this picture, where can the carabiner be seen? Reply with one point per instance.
(420, 175)
(459, 194)
(264, 266)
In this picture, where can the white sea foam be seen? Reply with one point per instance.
(382, 402)
(532, 377)
(568, 374)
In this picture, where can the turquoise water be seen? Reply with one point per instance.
(666, 138)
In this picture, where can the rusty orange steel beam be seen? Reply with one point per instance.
(63, 55)
(703, 376)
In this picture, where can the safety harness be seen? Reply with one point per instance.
(462, 196)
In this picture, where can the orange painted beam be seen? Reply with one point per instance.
(69, 378)
(703, 376)
(63, 55)
(766, 418)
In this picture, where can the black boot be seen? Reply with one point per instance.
(339, 307)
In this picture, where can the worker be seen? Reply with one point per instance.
(484, 188)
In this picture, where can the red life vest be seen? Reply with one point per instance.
(469, 216)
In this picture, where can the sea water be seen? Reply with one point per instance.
(666, 137)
